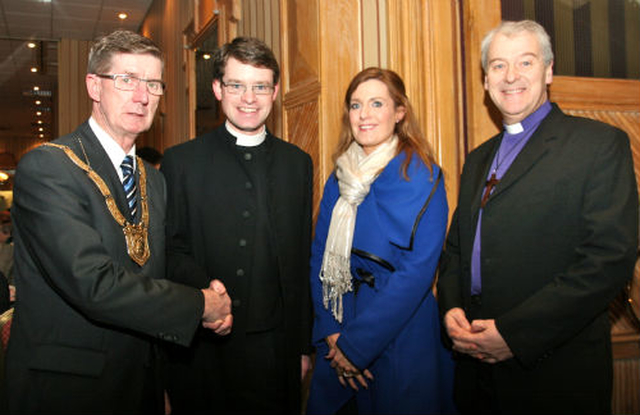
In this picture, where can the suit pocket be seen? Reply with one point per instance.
(66, 359)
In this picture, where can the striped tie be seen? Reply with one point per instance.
(129, 183)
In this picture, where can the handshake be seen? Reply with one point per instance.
(217, 308)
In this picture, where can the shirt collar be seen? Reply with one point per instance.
(531, 121)
(245, 140)
(114, 151)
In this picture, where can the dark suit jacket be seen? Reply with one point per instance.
(211, 208)
(559, 238)
(87, 315)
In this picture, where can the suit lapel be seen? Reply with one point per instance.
(535, 150)
(101, 164)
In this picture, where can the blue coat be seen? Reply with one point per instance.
(391, 328)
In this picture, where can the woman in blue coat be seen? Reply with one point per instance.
(378, 239)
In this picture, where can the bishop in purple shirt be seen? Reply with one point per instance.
(544, 236)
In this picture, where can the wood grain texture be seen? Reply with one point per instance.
(482, 119)
(626, 386)
(261, 19)
(425, 49)
(74, 104)
(320, 54)
(578, 93)
(303, 131)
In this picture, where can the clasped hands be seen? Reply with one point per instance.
(479, 339)
(217, 308)
(345, 370)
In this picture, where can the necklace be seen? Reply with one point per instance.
(136, 235)
(493, 179)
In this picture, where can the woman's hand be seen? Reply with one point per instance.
(345, 370)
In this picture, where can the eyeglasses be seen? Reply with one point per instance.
(126, 82)
(234, 88)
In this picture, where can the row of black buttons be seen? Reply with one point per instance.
(243, 242)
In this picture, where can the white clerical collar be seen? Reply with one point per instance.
(514, 128)
(245, 140)
(111, 147)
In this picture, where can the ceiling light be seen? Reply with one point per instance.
(38, 113)
(36, 88)
(34, 69)
(41, 129)
(206, 56)
(41, 135)
(38, 102)
(39, 121)
(31, 45)
(122, 16)
(3, 176)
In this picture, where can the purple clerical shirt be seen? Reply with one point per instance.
(514, 139)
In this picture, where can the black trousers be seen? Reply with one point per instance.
(205, 381)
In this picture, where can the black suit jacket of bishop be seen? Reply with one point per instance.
(87, 315)
(559, 240)
(211, 216)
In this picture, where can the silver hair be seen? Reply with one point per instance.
(509, 29)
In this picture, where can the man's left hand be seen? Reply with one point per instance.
(491, 347)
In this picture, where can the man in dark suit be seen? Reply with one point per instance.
(239, 209)
(544, 237)
(90, 258)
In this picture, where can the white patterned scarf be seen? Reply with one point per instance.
(355, 172)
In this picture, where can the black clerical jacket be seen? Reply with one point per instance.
(559, 239)
(211, 216)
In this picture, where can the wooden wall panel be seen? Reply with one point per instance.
(300, 84)
(320, 55)
(163, 25)
(303, 130)
(261, 19)
(374, 34)
(74, 105)
(616, 102)
(425, 49)
(626, 386)
(302, 39)
(341, 34)
(482, 119)
(578, 93)
(203, 13)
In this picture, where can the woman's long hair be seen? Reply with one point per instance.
(410, 137)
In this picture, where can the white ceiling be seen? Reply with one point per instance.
(46, 22)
